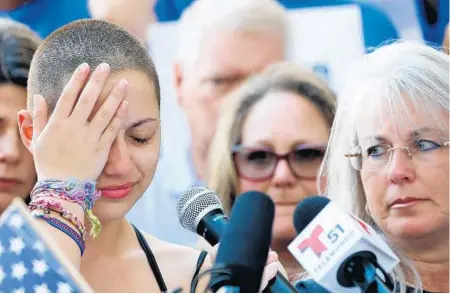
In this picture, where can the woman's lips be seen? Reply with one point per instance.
(406, 202)
(6, 185)
(116, 191)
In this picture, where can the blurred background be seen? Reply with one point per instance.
(321, 35)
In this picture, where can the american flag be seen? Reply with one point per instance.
(27, 263)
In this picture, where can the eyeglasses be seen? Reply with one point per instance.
(376, 157)
(259, 164)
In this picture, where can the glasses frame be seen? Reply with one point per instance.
(391, 152)
(236, 148)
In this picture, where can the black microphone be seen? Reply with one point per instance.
(342, 252)
(245, 244)
(200, 211)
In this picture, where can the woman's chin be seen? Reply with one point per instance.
(107, 211)
(283, 233)
(417, 228)
(5, 200)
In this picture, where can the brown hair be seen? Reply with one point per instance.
(286, 77)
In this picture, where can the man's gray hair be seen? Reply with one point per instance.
(215, 16)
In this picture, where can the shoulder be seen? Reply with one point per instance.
(178, 264)
(163, 248)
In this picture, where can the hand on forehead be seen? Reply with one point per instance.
(142, 103)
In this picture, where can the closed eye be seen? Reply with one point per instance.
(143, 141)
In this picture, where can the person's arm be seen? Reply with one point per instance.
(134, 15)
(68, 146)
(446, 42)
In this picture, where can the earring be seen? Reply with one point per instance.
(367, 209)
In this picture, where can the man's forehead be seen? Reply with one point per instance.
(245, 53)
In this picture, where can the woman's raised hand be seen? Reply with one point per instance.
(68, 144)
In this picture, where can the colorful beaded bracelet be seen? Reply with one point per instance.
(82, 193)
(47, 204)
(56, 223)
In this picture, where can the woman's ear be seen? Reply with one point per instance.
(322, 184)
(26, 128)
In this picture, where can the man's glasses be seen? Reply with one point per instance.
(259, 164)
(376, 157)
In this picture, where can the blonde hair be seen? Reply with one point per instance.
(383, 82)
(284, 77)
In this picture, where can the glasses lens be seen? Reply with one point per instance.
(429, 152)
(254, 163)
(371, 158)
(305, 162)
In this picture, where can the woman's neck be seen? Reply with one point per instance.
(289, 263)
(112, 240)
(434, 275)
(286, 259)
(430, 257)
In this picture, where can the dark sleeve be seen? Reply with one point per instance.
(200, 261)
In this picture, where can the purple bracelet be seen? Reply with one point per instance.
(56, 223)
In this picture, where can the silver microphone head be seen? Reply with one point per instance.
(194, 204)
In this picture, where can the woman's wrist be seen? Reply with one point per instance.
(63, 225)
(77, 197)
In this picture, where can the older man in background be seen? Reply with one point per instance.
(220, 44)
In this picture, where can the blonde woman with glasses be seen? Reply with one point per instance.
(388, 162)
(272, 137)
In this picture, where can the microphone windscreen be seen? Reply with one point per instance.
(246, 240)
(195, 203)
(307, 210)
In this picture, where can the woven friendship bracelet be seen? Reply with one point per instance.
(82, 193)
(48, 204)
(56, 223)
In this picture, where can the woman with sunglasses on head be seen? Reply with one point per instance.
(271, 138)
(388, 160)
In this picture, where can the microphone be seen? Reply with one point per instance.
(200, 211)
(340, 251)
(242, 254)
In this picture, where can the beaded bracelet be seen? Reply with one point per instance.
(47, 205)
(56, 223)
(82, 193)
